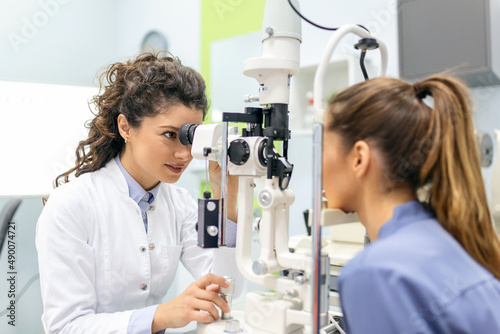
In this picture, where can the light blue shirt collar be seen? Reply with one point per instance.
(404, 214)
(135, 191)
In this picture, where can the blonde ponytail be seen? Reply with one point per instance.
(457, 194)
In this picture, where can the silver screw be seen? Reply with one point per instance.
(291, 293)
(265, 198)
(212, 230)
(259, 267)
(300, 279)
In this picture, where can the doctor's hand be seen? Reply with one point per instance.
(201, 295)
(232, 189)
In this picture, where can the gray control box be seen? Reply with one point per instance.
(459, 36)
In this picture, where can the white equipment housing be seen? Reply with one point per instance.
(294, 306)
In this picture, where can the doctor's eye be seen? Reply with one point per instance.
(170, 134)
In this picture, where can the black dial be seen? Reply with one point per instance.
(238, 152)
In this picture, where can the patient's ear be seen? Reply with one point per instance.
(361, 158)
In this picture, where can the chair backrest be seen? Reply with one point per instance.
(6, 215)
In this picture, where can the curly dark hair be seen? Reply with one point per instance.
(139, 88)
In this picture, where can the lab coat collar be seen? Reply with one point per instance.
(112, 171)
(135, 190)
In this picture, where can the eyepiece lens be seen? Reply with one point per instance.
(186, 133)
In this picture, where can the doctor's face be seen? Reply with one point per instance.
(153, 151)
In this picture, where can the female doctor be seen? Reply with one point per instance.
(109, 241)
(411, 172)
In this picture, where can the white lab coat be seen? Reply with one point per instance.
(98, 264)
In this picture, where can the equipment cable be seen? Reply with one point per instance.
(315, 24)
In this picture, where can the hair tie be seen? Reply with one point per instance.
(420, 91)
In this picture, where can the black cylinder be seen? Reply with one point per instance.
(186, 133)
(277, 126)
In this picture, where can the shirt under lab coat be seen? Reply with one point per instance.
(416, 278)
(97, 262)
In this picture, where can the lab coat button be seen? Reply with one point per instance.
(152, 208)
(144, 286)
(143, 249)
(152, 247)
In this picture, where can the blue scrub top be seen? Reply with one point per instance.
(416, 278)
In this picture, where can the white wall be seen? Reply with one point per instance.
(487, 118)
(178, 21)
(56, 41)
(69, 41)
(379, 16)
(41, 125)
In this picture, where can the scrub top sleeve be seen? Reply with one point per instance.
(67, 271)
(481, 300)
(231, 229)
(381, 301)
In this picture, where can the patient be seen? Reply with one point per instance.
(405, 158)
